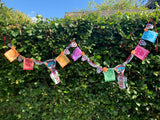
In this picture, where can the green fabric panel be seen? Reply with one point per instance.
(109, 75)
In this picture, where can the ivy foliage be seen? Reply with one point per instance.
(82, 93)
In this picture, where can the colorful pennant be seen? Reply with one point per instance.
(28, 64)
(55, 77)
(76, 54)
(62, 60)
(122, 81)
(12, 54)
(141, 52)
(109, 75)
(150, 36)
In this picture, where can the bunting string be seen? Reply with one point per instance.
(109, 73)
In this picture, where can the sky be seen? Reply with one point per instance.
(47, 8)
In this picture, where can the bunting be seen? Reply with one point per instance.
(122, 81)
(76, 54)
(12, 54)
(62, 59)
(109, 73)
(55, 77)
(28, 64)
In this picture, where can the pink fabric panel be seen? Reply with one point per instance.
(140, 52)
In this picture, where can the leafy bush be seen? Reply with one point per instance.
(82, 93)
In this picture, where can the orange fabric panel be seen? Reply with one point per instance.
(11, 54)
(63, 60)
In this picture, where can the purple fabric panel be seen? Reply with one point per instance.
(76, 54)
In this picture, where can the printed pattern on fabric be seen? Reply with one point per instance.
(12, 54)
(28, 64)
(141, 52)
(55, 77)
(76, 54)
(122, 80)
(63, 60)
(150, 36)
(109, 75)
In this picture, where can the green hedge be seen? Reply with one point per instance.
(82, 93)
